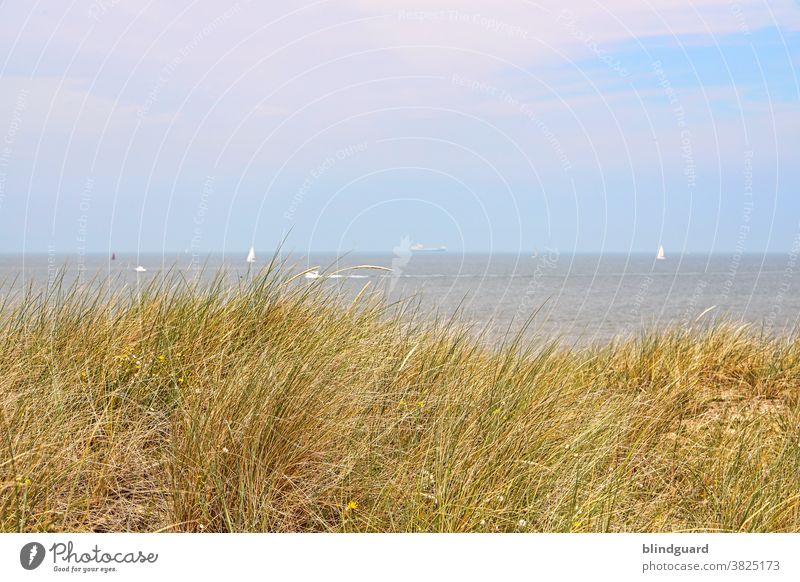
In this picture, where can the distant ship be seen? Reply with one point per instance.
(251, 256)
(660, 256)
(140, 269)
(420, 248)
(113, 256)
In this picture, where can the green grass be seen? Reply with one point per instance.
(274, 407)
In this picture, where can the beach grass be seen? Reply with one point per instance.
(273, 405)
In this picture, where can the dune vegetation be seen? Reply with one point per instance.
(274, 406)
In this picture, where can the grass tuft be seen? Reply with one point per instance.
(271, 406)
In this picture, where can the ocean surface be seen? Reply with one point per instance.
(575, 298)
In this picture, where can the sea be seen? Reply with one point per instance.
(569, 298)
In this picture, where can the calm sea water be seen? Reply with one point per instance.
(583, 298)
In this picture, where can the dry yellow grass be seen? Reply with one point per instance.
(271, 407)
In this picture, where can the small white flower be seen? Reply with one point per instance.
(501, 499)
(522, 523)
(483, 522)
(201, 526)
(431, 497)
(225, 450)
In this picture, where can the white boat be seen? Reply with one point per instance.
(340, 276)
(140, 269)
(420, 248)
(312, 275)
(660, 256)
(251, 256)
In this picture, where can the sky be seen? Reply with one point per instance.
(349, 125)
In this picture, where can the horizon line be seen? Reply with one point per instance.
(524, 252)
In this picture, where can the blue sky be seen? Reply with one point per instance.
(351, 124)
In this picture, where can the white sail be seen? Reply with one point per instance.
(140, 269)
(251, 256)
(660, 256)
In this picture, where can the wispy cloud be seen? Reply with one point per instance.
(259, 93)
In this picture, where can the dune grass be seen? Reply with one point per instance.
(273, 407)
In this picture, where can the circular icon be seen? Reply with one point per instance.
(31, 555)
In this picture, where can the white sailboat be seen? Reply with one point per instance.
(251, 256)
(140, 269)
(660, 256)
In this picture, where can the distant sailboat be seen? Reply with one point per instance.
(113, 256)
(140, 269)
(251, 256)
(312, 275)
(660, 256)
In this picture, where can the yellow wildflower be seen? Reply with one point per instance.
(352, 505)
(421, 403)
